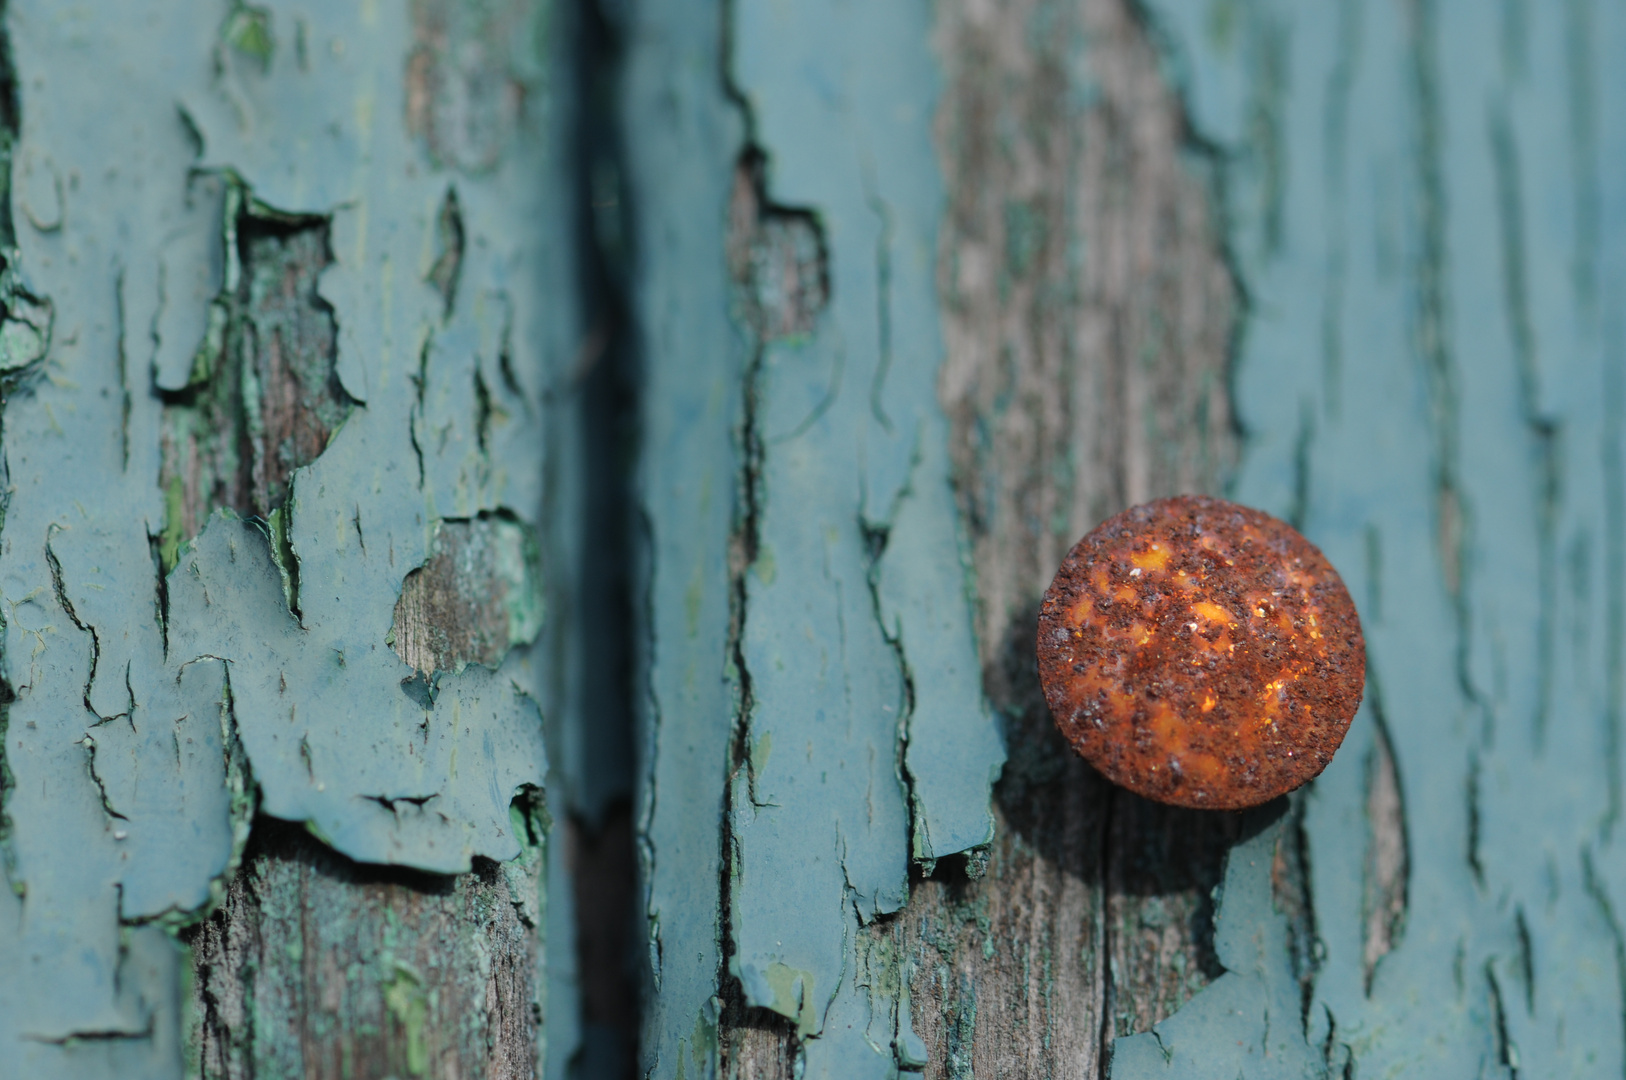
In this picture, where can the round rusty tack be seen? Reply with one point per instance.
(1201, 653)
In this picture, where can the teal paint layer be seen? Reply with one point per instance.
(872, 743)
(429, 794)
(141, 710)
(845, 121)
(1420, 198)
(822, 454)
(682, 136)
(1245, 1023)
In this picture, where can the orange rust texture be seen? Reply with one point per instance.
(1201, 653)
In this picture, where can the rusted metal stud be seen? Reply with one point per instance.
(1201, 653)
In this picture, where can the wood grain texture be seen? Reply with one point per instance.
(1087, 311)
(315, 965)
(262, 395)
(1090, 311)
(320, 967)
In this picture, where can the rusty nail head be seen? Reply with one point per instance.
(1201, 653)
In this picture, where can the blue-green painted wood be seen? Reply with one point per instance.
(1246, 1022)
(1417, 199)
(821, 457)
(147, 713)
(1421, 200)
(851, 650)
(682, 137)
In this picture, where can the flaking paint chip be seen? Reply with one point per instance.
(1201, 653)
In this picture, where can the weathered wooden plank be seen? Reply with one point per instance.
(316, 965)
(1089, 308)
(1415, 194)
(299, 270)
(866, 737)
(807, 308)
(1424, 380)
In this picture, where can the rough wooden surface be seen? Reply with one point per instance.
(477, 596)
(315, 965)
(319, 967)
(1090, 313)
(1087, 311)
(263, 396)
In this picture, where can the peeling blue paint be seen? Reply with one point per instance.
(866, 742)
(852, 652)
(1434, 300)
(149, 713)
(427, 787)
(1248, 1021)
